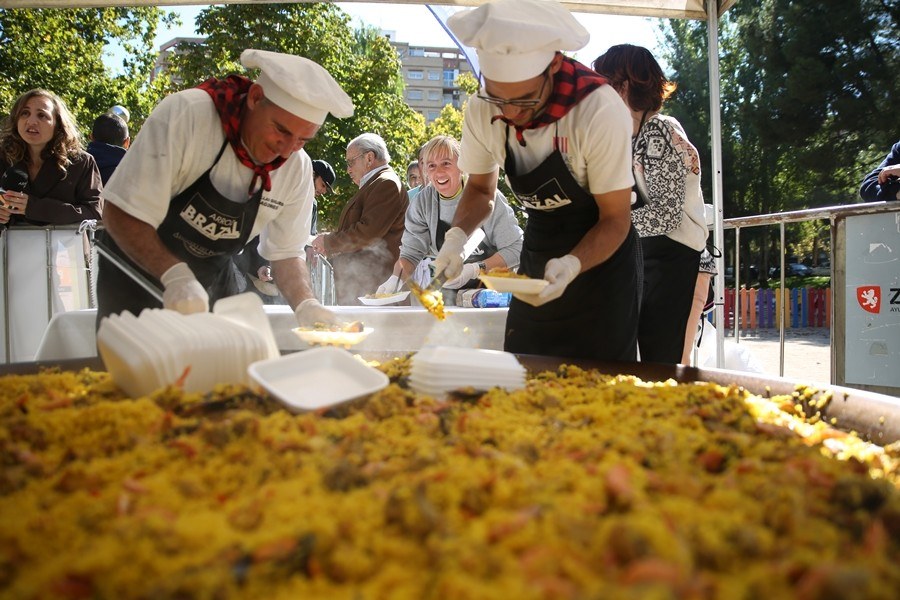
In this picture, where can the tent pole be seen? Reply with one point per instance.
(715, 125)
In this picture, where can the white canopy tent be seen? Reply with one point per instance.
(675, 9)
(708, 10)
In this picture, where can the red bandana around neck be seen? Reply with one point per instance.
(230, 96)
(571, 84)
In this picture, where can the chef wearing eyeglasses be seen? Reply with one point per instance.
(562, 136)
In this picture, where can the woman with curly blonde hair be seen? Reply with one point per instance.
(40, 142)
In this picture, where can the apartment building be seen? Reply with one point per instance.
(429, 75)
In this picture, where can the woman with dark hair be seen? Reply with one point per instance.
(667, 204)
(40, 140)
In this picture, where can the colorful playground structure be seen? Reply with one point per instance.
(761, 308)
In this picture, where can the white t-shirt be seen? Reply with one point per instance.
(178, 143)
(594, 139)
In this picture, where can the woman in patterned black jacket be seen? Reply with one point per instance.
(667, 204)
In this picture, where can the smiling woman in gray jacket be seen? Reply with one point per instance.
(429, 216)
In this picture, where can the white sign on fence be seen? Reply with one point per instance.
(872, 300)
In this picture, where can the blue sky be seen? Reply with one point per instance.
(413, 23)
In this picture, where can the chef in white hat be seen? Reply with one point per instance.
(562, 137)
(213, 167)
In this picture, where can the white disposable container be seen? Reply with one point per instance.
(317, 378)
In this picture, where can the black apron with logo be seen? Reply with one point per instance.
(597, 315)
(204, 229)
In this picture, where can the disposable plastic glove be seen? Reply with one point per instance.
(559, 272)
(469, 272)
(449, 260)
(390, 286)
(310, 311)
(183, 293)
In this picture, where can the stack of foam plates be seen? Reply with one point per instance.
(436, 370)
(162, 347)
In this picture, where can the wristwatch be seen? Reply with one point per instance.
(481, 267)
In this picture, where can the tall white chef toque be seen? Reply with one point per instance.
(298, 85)
(517, 39)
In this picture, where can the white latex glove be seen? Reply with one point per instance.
(449, 260)
(559, 272)
(310, 311)
(390, 286)
(469, 272)
(183, 293)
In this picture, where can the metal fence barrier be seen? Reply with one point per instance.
(833, 214)
(321, 275)
(45, 271)
(52, 269)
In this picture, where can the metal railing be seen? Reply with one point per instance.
(321, 273)
(321, 277)
(832, 213)
(320, 270)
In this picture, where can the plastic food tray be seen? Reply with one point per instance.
(317, 378)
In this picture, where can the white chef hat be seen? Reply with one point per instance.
(298, 85)
(517, 39)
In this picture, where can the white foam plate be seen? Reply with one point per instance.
(466, 358)
(317, 378)
(157, 319)
(382, 300)
(332, 338)
(152, 344)
(125, 360)
(516, 285)
(247, 309)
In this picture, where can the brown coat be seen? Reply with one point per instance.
(366, 244)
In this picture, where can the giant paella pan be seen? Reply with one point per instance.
(594, 481)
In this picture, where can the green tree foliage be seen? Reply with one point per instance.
(62, 50)
(467, 82)
(363, 62)
(449, 122)
(806, 89)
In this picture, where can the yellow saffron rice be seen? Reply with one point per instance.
(581, 486)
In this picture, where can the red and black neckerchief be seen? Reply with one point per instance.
(571, 84)
(230, 97)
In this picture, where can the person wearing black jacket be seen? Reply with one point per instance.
(109, 141)
(883, 183)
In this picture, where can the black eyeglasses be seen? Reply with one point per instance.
(523, 103)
